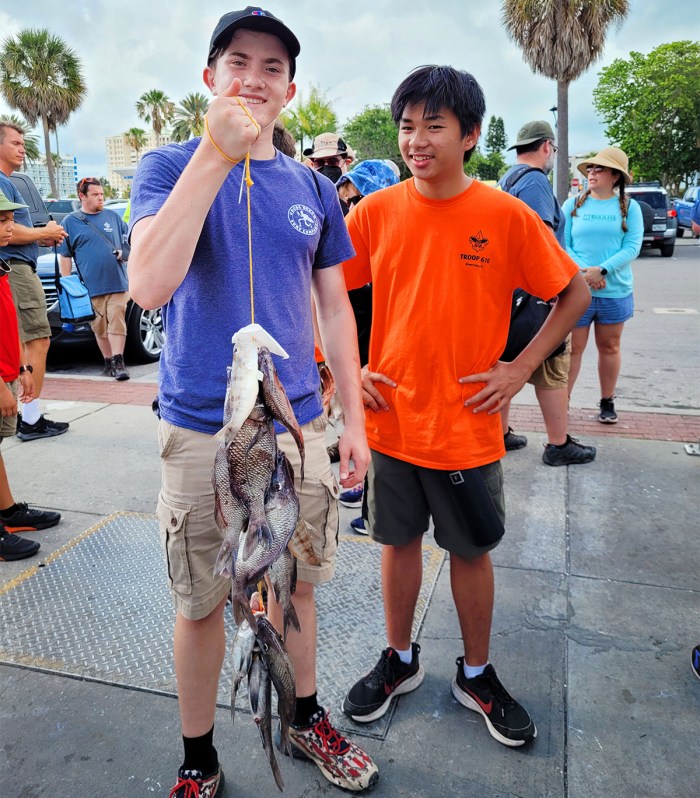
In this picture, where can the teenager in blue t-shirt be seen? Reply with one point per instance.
(604, 232)
(189, 235)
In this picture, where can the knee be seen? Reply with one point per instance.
(38, 347)
(609, 347)
(304, 591)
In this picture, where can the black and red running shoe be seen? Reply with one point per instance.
(371, 696)
(507, 721)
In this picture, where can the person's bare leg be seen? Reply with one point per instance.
(579, 339)
(505, 415)
(105, 348)
(6, 499)
(301, 646)
(472, 591)
(35, 353)
(607, 339)
(554, 404)
(402, 573)
(199, 648)
(117, 343)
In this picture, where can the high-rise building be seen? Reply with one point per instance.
(66, 176)
(122, 158)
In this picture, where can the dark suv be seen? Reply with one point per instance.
(144, 340)
(659, 218)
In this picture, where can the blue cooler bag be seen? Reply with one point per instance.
(73, 298)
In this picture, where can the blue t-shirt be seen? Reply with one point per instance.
(535, 190)
(294, 230)
(99, 268)
(25, 252)
(594, 237)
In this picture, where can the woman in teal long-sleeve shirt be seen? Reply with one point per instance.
(603, 234)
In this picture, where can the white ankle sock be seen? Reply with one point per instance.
(471, 671)
(31, 412)
(405, 656)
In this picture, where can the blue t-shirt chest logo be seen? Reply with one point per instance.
(303, 219)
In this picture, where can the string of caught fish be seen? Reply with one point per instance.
(257, 509)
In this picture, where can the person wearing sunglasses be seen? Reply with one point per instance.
(603, 233)
(330, 156)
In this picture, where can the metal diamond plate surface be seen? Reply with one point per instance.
(100, 609)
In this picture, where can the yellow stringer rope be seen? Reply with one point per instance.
(249, 183)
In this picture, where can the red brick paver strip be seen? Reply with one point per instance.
(582, 422)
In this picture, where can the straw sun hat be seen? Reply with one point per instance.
(612, 157)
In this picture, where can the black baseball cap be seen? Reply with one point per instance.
(254, 18)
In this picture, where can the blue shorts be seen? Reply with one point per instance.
(608, 310)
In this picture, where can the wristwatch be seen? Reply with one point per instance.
(603, 272)
(28, 368)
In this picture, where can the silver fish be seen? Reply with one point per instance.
(277, 401)
(283, 578)
(282, 673)
(281, 511)
(231, 515)
(251, 461)
(260, 698)
(243, 644)
(242, 388)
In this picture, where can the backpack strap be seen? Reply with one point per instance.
(515, 176)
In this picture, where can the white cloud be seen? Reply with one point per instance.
(357, 52)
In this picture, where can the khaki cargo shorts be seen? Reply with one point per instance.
(30, 302)
(8, 424)
(189, 534)
(554, 372)
(110, 314)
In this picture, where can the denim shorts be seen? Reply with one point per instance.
(608, 310)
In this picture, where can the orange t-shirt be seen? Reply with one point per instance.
(443, 274)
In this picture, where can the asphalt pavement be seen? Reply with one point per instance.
(597, 603)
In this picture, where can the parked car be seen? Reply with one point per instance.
(117, 205)
(683, 207)
(659, 218)
(145, 336)
(60, 208)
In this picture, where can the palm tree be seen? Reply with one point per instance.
(136, 138)
(155, 107)
(310, 118)
(31, 143)
(189, 117)
(560, 39)
(42, 78)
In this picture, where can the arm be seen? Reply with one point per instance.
(66, 265)
(631, 240)
(162, 246)
(52, 233)
(504, 380)
(339, 336)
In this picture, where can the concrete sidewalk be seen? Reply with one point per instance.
(597, 609)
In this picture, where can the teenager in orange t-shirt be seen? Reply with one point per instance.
(444, 254)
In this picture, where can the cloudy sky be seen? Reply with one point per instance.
(357, 52)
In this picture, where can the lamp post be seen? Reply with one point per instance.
(553, 109)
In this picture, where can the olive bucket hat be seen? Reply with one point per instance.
(6, 205)
(613, 158)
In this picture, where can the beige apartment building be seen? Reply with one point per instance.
(122, 157)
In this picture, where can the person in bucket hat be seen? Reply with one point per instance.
(604, 232)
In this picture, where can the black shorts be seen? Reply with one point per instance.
(467, 507)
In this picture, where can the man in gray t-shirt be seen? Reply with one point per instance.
(95, 241)
(527, 180)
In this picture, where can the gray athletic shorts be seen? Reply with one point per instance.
(467, 507)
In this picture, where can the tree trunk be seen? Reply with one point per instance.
(562, 141)
(49, 159)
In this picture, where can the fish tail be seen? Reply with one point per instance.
(241, 612)
(225, 564)
(273, 764)
(290, 619)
